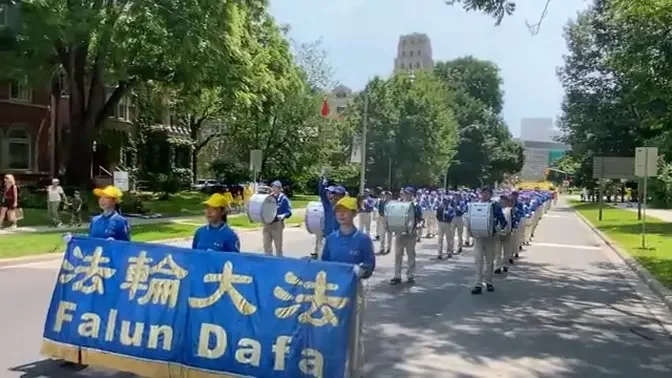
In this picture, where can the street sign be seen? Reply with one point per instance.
(646, 161)
(256, 157)
(120, 179)
(613, 167)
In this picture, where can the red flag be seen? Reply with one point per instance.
(325, 108)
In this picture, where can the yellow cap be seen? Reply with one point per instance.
(349, 203)
(109, 191)
(217, 200)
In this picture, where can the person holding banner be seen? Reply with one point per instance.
(348, 244)
(273, 232)
(216, 235)
(109, 225)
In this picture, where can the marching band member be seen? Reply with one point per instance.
(406, 243)
(216, 235)
(429, 207)
(273, 232)
(329, 196)
(365, 213)
(503, 244)
(458, 223)
(348, 244)
(484, 247)
(518, 226)
(445, 213)
(381, 228)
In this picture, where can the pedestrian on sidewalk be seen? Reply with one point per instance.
(55, 196)
(76, 209)
(10, 202)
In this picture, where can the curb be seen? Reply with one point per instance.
(654, 285)
(59, 255)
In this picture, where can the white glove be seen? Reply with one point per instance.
(109, 239)
(67, 238)
(358, 270)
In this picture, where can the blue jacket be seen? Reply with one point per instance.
(330, 223)
(355, 248)
(284, 206)
(109, 226)
(445, 212)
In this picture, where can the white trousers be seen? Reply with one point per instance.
(430, 221)
(365, 223)
(385, 235)
(447, 232)
(484, 257)
(458, 227)
(404, 243)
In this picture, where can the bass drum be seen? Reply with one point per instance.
(400, 217)
(314, 218)
(263, 208)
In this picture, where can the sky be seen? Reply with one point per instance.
(361, 36)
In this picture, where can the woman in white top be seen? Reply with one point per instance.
(55, 196)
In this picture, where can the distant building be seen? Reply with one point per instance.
(538, 130)
(539, 156)
(414, 53)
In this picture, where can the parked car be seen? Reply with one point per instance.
(202, 183)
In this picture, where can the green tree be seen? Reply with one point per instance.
(105, 48)
(486, 151)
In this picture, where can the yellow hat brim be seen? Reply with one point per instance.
(106, 193)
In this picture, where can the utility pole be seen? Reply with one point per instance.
(362, 174)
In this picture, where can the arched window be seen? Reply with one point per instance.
(17, 148)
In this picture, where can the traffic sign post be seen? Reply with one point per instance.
(256, 159)
(646, 165)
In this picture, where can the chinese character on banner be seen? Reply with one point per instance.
(141, 276)
(227, 281)
(91, 270)
(319, 307)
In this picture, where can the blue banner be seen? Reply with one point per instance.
(166, 311)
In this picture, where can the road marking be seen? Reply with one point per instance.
(574, 246)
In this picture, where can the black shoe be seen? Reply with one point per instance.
(439, 257)
(516, 255)
(387, 252)
(313, 256)
(505, 269)
(511, 260)
(381, 252)
(490, 287)
(498, 271)
(377, 237)
(477, 290)
(395, 281)
(450, 256)
(459, 250)
(410, 280)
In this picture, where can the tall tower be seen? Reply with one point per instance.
(414, 53)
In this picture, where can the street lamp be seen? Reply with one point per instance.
(362, 174)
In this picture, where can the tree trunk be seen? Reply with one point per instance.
(80, 159)
(194, 165)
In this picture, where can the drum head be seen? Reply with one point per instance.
(269, 210)
(314, 218)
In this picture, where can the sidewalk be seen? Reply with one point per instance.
(193, 220)
(662, 214)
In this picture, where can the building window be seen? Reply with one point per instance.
(411, 52)
(403, 53)
(123, 110)
(20, 91)
(340, 94)
(419, 53)
(4, 14)
(402, 66)
(340, 109)
(417, 64)
(182, 157)
(17, 149)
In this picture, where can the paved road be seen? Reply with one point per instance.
(569, 308)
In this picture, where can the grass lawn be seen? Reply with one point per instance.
(623, 228)
(179, 205)
(26, 244)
